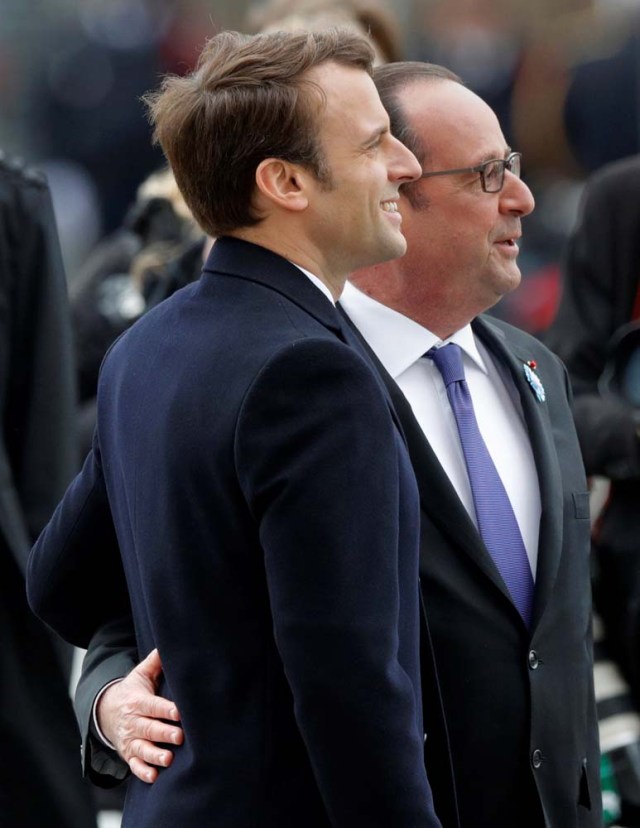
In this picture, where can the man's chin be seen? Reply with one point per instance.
(509, 281)
(501, 286)
(393, 248)
(396, 248)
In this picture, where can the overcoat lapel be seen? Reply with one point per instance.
(540, 432)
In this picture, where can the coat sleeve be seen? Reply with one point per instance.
(317, 459)
(75, 578)
(36, 364)
(112, 653)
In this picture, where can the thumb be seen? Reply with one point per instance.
(151, 667)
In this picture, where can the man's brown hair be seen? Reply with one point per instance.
(246, 100)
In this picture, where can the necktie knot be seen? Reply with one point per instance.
(448, 360)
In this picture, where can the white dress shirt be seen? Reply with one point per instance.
(400, 345)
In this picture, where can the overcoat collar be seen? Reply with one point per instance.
(244, 260)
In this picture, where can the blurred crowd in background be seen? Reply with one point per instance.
(563, 76)
(564, 79)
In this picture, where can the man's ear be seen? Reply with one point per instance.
(282, 184)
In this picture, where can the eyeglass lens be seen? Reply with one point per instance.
(494, 172)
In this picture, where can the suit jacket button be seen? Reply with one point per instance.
(533, 660)
(536, 758)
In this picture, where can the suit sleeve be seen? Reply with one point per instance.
(317, 458)
(112, 653)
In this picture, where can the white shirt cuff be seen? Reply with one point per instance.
(101, 735)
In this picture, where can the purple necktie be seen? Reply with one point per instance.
(496, 521)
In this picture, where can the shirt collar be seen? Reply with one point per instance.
(395, 339)
(466, 340)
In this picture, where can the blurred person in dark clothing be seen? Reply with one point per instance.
(601, 299)
(40, 784)
(600, 294)
(157, 249)
(602, 107)
(85, 97)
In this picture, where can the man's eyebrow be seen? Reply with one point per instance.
(492, 156)
(375, 134)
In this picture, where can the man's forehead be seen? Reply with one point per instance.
(444, 114)
(422, 91)
(350, 94)
(330, 74)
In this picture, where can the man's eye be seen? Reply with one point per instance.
(492, 172)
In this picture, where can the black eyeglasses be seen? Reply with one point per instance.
(491, 172)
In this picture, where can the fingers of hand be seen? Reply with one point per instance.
(135, 728)
(154, 730)
(142, 770)
(157, 707)
(149, 754)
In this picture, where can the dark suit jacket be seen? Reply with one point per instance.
(267, 517)
(39, 783)
(600, 294)
(493, 692)
(516, 712)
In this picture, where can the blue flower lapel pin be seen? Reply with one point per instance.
(534, 380)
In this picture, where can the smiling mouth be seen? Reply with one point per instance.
(390, 206)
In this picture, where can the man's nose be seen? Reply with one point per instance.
(404, 166)
(516, 197)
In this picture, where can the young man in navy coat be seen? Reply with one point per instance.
(508, 705)
(252, 465)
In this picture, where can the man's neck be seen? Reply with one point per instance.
(297, 252)
(431, 314)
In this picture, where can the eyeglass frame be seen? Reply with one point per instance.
(481, 168)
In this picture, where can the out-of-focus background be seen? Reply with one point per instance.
(563, 76)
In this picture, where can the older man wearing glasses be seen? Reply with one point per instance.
(511, 735)
(507, 667)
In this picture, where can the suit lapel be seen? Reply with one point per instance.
(439, 499)
(540, 432)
